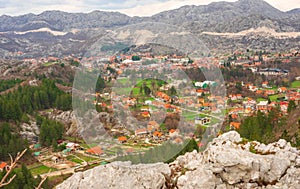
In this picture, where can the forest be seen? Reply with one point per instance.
(28, 99)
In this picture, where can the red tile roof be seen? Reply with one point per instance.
(95, 150)
(3, 165)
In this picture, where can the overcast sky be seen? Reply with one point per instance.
(129, 7)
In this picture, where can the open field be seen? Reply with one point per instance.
(42, 169)
(295, 84)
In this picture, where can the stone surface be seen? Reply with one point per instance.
(119, 175)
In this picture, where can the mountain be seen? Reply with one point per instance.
(227, 17)
(218, 25)
(63, 21)
(228, 162)
(294, 11)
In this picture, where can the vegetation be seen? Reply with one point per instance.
(262, 127)
(7, 84)
(9, 143)
(135, 58)
(28, 99)
(23, 179)
(295, 84)
(50, 132)
(160, 153)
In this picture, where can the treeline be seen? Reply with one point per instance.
(24, 180)
(167, 153)
(50, 131)
(10, 143)
(262, 127)
(28, 99)
(7, 84)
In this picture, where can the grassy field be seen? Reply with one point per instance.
(261, 99)
(295, 84)
(50, 63)
(274, 98)
(189, 116)
(74, 159)
(86, 158)
(41, 170)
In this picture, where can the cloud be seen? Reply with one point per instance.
(130, 7)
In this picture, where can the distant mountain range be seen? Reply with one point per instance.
(220, 25)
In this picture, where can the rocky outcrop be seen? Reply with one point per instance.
(229, 162)
(66, 117)
(30, 131)
(120, 175)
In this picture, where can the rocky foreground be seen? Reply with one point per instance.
(229, 162)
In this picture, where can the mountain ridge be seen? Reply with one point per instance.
(217, 17)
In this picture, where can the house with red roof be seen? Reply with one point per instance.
(235, 125)
(95, 151)
(3, 166)
(141, 131)
(122, 139)
(282, 89)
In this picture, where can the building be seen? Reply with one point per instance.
(235, 125)
(262, 106)
(95, 151)
(3, 166)
(202, 121)
(142, 131)
(122, 139)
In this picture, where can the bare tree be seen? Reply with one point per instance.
(42, 181)
(13, 163)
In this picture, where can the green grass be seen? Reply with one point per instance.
(50, 63)
(41, 170)
(189, 116)
(74, 159)
(295, 84)
(86, 158)
(273, 98)
(261, 99)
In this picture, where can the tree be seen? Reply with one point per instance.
(173, 91)
(238, 86)
(147, 90)
(292, 105)
(135, 58)
(13, 164)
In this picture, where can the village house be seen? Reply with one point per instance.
(269, 92)
(235, 96)
(174, 133)
(294, 96)
(56, 159)
(153, 126)
(122, 139)
(265, 84)
(202, 121)
(72, 146)
(141, 131)
(284, 106)
(273, 72)
(262, 106)
(3, 166)
(235, 125)
(282, 89)
(157, 134)
(95, 151)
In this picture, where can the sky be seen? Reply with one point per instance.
(129, 7)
